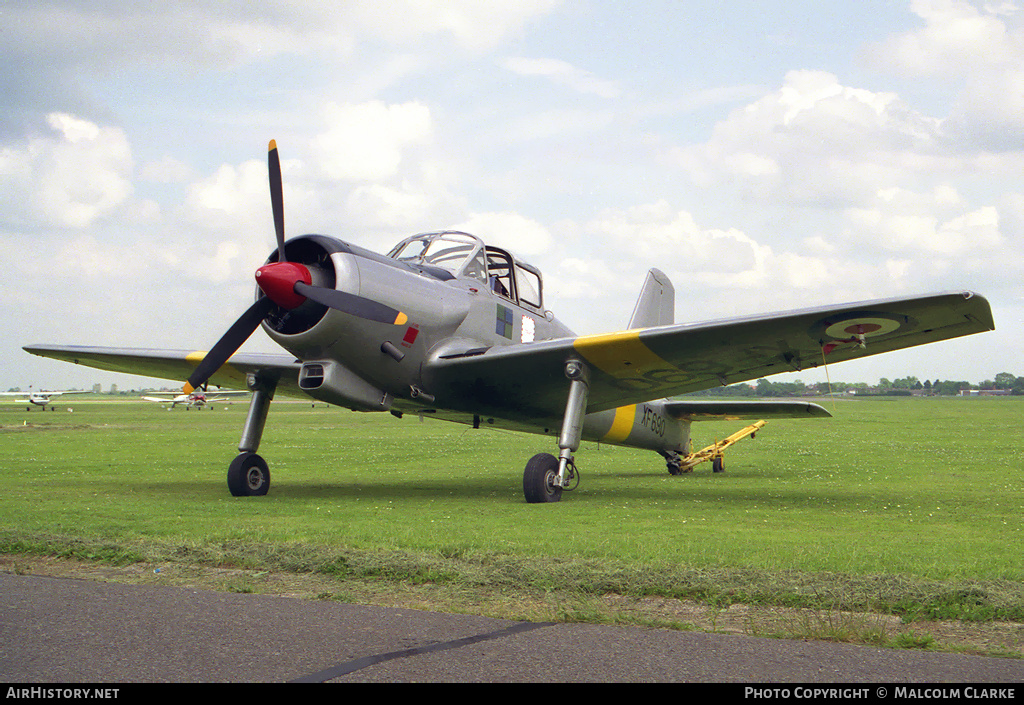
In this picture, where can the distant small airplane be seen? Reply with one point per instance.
(450, 327)
(39, 398)
(197, 399)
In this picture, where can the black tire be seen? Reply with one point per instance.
(248, 476)
(718, 464)
(538, 479)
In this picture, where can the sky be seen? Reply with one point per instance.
(765, 155)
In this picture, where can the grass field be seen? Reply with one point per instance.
(906, 506)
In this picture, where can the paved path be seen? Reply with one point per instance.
(59, 630)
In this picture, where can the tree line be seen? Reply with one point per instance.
(904, 386)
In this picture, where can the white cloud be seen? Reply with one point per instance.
(71, 177)
(956, 38)
(472, 24)
(563, 73)
(656, 231)
(815, 141)
(375, 205)
(167, 170)
(694, 257)
(513, 231)
(365, 142)
(231, 191)
(981, 51)
(102, 34)
(1003, 8)
(973, 233)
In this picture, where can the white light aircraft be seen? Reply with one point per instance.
(197, 399)
(39, 398)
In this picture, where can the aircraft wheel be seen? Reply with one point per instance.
(538, 479)
(248, 476)
(718, 464)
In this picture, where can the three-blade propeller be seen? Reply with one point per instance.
(286, 284)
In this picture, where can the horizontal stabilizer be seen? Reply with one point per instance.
(713, 410)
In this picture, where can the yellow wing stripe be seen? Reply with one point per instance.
(622, 424)
(620, 354)
(197, 356)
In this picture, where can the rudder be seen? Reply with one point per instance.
(657, 303)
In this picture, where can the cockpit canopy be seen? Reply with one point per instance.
(466, 256)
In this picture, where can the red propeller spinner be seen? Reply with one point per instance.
(278, 279)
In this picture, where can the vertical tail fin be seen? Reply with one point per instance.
(657, 303)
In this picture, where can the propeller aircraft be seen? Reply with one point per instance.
(450, 327)
(40, 397)
(196, 399)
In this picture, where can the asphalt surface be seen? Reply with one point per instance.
(60, 630)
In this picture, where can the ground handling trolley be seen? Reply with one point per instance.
(716, 451)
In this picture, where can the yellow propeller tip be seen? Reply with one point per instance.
(273, 146)
(401, 319)
(188, 388)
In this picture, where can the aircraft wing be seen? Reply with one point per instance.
(226, 396)
(175, 364)
(718, 410)
(651, 363)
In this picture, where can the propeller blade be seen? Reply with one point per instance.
(276, 197)
(237, 334)
(351, 304)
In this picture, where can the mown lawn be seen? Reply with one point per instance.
(908, 489)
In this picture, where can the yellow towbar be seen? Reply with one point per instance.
(716, 451)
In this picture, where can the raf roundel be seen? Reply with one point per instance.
(861, 326)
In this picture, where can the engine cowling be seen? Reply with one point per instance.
(313, 253)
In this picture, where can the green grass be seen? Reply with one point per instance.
(910, 506)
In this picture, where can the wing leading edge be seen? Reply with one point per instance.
(644, 364)
(174, 364)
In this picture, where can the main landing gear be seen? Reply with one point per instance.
(545, 475)
(248, 474)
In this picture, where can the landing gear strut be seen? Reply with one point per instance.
(248, 474)
(546, 476)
